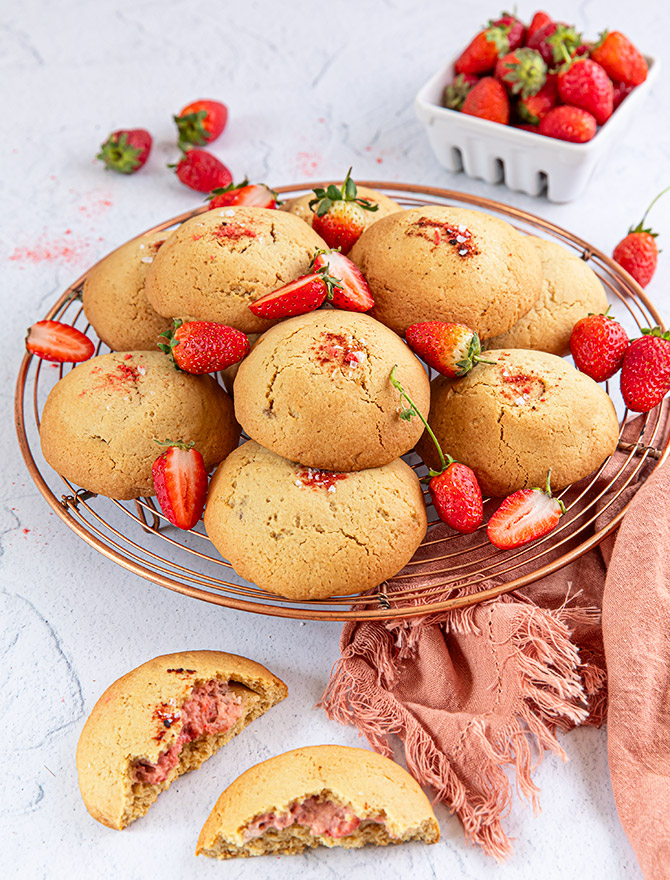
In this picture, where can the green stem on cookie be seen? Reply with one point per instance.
(407, 414)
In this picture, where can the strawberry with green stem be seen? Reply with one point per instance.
(501, 36)
(523, 71)
(525, 516)
(339, 214)
(305, 294)
(598, 344)
(638, 251)
(348, 289)
(203, 346)
(454, 489)
(583, 83)
(126, 150)
(201, 122)
(645, 372)
(451, 349)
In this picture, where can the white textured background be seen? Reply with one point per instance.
(312, 87)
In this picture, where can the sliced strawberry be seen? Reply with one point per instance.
(254, 195)
(180, 483)
(524, 516)
(295, 298)
(354, 294)
(54, 341)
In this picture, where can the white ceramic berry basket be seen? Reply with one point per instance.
(522, 160)
(448, 571)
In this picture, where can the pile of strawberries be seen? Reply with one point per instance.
(544, 78)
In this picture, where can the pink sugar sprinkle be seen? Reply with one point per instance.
(54, 251)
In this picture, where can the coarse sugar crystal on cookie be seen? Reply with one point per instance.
(513, 420)
(448, 264)
(570, 291)
(316, 389)
(310, 534)
(218, 263)
(103, 421)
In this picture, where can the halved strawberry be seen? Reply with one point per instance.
(298, 297)
(180, 483)
(354, 294)
(524, 516)
(55, 341)
(255, 195)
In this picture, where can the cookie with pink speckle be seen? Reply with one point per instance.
(102, 422)
(441, 263)
(310, 534)
(317, 389)
(218, 263)
(115, 301)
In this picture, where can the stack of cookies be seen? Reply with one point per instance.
(318, 502)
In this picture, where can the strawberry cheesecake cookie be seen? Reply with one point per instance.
(309, 534)
(327, 795)
(103, 422)
(316, 389)
(385, 205)
(161, 720)
(514, 420)
(114, 299)
(218, 263)
(448, 264)
(570, 291)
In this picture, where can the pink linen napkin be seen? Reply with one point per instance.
(473, 691)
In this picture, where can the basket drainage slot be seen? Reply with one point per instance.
(456, 159)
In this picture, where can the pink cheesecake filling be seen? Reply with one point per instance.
(212, 708)
(321, 817)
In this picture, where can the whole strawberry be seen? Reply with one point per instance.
(204, 346)
(569, 124)
(255, 195)
(454, 489)
(598, 344)
(451, 349)
(126, 150)
(201, 122)
(538, 21)
(532, 109)
(622, 62)
(583, 83)
(202, 171)
(456, 91)
(522, 71)
(180, 483)
(637, 253)
(488, 100)
(645, 373)
(480, 55)
(525, 516)
(339, 214)
(553, 40)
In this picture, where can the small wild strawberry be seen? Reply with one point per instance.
(637, 253)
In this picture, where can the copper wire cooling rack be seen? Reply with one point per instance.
(137, 536)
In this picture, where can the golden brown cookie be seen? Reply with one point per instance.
(512, 421)
(101, 422)
(317, 796)
(218, 263)
(310, 534)
(161, 720)
(448, 264)
(570, 291)
(316, 389)
(114, 299)
(229, 375)
(385, 206)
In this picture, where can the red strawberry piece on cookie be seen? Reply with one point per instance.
(295, 298)
(58, 342)
(202, 171)
(339, 214)
(525, 516)
(126, 150)
(254, 195)
(204, 346)
(201, 122)
(597, 345)
(645, 372)
(353, 293)
(180, 484)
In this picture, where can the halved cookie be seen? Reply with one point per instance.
(161, 720)
(317, 796)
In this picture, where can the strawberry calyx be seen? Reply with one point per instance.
(191, 129)
(330, 281)
(498, 34)
(456, 92)
(324, 198)
(657, 332)
(178, 444)
(172, 341)
(120, 155)
(526, 72)
(220, 190)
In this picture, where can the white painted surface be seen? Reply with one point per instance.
(312, 88)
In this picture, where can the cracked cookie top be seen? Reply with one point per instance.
(218, 263)
(513, 420)
(316, 389)
(101, 422)
(310, 534)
